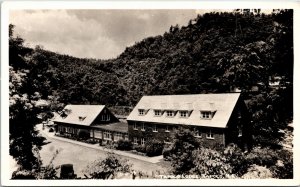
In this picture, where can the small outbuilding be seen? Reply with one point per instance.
(90, 121)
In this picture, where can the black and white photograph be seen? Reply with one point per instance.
(166, 94)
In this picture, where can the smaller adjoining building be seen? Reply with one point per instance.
(213, 118)
(94, 121)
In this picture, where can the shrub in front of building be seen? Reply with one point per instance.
(154, 147)
(167, 152)
(124, 145)
(140, 148)
(83, 134)
(108, 144)
(90, 141)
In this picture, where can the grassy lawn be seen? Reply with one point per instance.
(81, 156)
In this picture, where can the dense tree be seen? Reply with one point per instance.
(25, 109)
(17, 50)
(188, 156)
(23, 112)
(108, 167)
(182, 152)
(211, 163)
(257, 172)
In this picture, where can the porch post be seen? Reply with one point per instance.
(93, 135)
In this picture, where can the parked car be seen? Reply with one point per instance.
(67, 171)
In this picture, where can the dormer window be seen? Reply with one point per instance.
(170, 113)
(157, 112)
(64, 113)
(207, 114)
(81, 118)
(141, 112)
(183, 114)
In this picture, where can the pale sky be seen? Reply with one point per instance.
(100, 34)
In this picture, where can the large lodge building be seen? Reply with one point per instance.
(213, 118)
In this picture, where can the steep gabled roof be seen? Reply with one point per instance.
(80, 114)
(222, 104)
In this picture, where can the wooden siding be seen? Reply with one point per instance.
(103, 115)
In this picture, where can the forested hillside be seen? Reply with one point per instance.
(213, 53)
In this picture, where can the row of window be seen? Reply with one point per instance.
(105, 117)
(197, 132)
(108, 135)
(135, 141)
(154, 127)
(182, 113)
(209, 135)
(67, 130)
